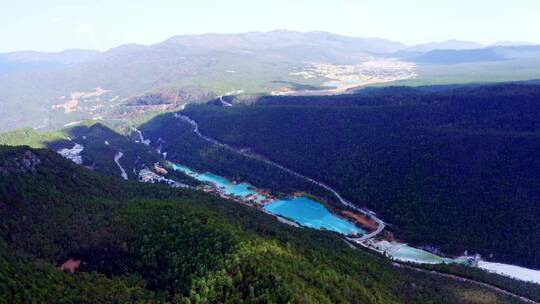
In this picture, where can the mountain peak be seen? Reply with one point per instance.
(451, 44)
(512, 43)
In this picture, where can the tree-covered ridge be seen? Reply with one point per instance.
(153, 244)
(30, 137)
(456, 168)
(100, 148)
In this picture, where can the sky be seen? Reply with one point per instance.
(54, 25)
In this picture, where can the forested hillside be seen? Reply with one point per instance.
(100, 147)
(456, 168)
(133, 243)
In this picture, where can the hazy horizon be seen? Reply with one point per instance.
(100, 25)
(269, 31)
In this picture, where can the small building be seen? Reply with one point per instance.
(160, 170)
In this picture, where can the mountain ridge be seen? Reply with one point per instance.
(49, 91)
(206, 40)
(128, 242)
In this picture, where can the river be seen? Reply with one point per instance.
(397, 251)
(301, 210)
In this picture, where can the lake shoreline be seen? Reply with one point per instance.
(263, 200)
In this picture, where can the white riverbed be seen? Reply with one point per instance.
(512, 271)
(117, 158)
(405, 253)
(73, 154)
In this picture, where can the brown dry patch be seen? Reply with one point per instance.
(389, 236)
(69, 106)
(71, 265)
(477, 297)
(361, 220)
(313, 197)
(160, 170)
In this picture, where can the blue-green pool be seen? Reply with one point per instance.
(310, 213)
(409, 254)
(241, 189)
(302, 210)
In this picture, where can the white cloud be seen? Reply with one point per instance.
(86, 28)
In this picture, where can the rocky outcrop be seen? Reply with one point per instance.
(26, 162)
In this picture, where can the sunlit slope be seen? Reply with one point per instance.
(151, 243)
(455, 168)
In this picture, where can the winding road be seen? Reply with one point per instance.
(143, 141)
(462, 279)
(224, 103)
(358, 241)
(117, 158)
(381, 225)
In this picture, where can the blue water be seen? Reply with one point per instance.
(302, 210)
(406, 253)
(241, 190)
(409, 254)
(183, 169)
(310, 213)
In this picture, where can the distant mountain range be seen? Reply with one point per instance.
(50, 90)
(511, 43)
(444, 45)
(252, 41)
(495, 53)
(64, 57)
(277, 40)
(283, 39)
(13, 61)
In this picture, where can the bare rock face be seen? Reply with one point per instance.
(27, 162)
(71, 265)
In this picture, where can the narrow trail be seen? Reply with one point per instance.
(381, 225)
(142, 140)
(462, 279)
(401, 265)
(224, 103)
(73, 154)
(117, 158)
(357, 241)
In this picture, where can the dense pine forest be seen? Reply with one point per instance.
(452, 167)
(270, 152)
(141, 243)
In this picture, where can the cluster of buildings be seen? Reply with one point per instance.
(73, 154)
(148, 176)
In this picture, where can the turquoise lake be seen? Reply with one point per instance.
(301, 210)
(241, 189)
(312, 214)
(409, 254)
(406, 253)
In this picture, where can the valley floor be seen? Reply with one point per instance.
(367, 240)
